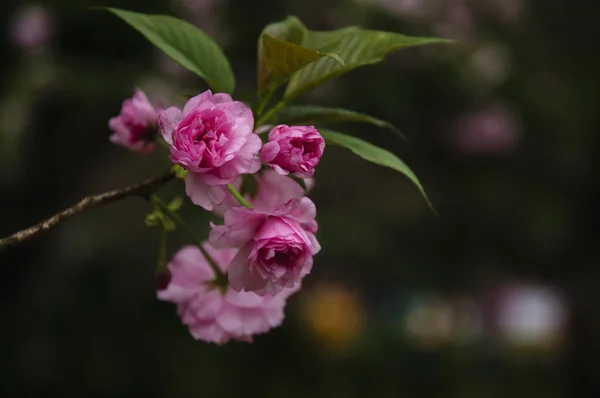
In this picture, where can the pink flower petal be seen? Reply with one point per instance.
(211, 314)
(239, 274)
(269, 151)
(274, 190)
(206, 196)
(194, 102)
(168, 121)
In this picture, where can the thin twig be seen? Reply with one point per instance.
(143, 189)
(220, 277)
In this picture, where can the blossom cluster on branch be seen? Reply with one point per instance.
(253, 173)
(267, 241)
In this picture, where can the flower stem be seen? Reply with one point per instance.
(271, 112)
(238, 196)
(220, 277)
(163, 143)
(264, 100)
(162, 249)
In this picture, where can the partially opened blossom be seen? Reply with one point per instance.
(212, 138)
(218, 314)
(276, 237)
(293, 149)
(136, 125)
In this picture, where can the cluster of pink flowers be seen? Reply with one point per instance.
(266, 245)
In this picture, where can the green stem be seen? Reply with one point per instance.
(265, 100)
(163, 143)
(162, 249)
(219, 275)
(265, 118)
(238, 196)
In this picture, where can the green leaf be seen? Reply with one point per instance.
(291, 30)
(151, 219)
(375, 155)
(189, 46)
(157, 217)
(299, 114)
(175, 203)
(283, 58)
(357, 47)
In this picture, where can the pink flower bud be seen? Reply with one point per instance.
(295, 149)
(212, 138)
(216, 315)
(135, 127)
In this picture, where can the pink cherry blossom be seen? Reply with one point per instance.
(136, 124)
(212, 138)
(215, 314)
(295, 149)
(276, 237)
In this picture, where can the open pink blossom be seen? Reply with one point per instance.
(276, 237)
(212, 138)
(136, 125)
(293, 149)
(214, 315)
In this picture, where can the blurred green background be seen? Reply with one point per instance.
(495, 297)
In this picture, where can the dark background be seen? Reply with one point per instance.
(496, 297)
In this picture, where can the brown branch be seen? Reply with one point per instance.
(143, 189)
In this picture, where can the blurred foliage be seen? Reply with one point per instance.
(502, 130)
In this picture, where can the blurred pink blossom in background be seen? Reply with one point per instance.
(491, 131)
(134, 128)
(32, 27)
(507, 10)
(454, 19)
(204, 14)
(406, 8)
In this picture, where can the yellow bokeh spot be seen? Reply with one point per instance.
(335, 315)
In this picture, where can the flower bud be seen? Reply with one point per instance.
(136, 125)
(296, 150)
